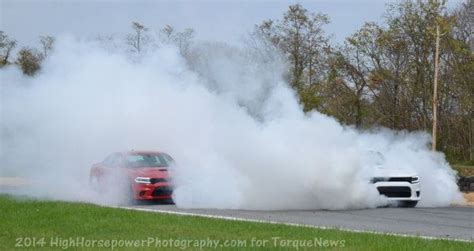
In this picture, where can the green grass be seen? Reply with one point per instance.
(27, 218)
(464, 170)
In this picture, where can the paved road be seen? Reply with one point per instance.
(449, 222)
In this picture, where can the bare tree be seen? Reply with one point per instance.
(138, 37)
(47, 43)
(6, 47)
(167, 33)
(181, 39)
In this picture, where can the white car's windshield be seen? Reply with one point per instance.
(375, 158)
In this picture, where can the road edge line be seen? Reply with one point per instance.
(289, 224)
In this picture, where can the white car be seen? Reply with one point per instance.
(398, 185)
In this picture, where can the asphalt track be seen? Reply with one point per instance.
(447, 222)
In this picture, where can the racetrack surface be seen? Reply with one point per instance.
(448, 222)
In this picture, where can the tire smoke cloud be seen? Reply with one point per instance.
(235, 128)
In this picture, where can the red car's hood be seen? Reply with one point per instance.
(150, 172)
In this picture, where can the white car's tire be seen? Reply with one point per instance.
(408, 203)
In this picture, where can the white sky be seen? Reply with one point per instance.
(224, 20)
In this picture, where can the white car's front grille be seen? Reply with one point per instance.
(395, 192)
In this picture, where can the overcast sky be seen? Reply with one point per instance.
(224, 20)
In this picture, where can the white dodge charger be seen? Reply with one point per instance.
(400, 186)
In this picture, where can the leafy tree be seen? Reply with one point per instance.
(388, 70)
(29, 60)
(300, 36)
(457, 96)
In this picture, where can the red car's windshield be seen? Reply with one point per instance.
(148, 160)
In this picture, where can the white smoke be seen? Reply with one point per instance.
(239, 136)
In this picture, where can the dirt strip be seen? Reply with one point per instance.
(13, 182)
(469, 197)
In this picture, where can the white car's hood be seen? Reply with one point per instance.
(381, 171)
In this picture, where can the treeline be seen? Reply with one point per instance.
(381, 76)
(29, 59)
(139, 39)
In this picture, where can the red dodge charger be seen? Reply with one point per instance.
(140, 175)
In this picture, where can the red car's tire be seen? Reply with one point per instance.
(131, 195)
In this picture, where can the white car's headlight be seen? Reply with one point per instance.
(415, 179)
(143, 180)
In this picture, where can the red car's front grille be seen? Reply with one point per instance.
(162, 191)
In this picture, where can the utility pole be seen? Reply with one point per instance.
(435, 92)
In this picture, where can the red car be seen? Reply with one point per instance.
(140, 175)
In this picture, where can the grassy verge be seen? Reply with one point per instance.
(464, 170)
(50, 225)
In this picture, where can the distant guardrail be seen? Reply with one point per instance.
(466, 183)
